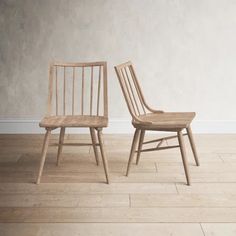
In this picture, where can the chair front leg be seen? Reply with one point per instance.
(60, 145)
(94, 142)
(141, 138)
(43, 155)
(132, 150)
(183, 154)
(104, 159)
(191, 140)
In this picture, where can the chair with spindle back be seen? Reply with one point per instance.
(77, 98)
(145, 118)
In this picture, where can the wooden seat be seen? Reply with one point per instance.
(77, 97)
(146, 118)
(74, 121)
(164, 121)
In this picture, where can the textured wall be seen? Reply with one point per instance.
(184, 51)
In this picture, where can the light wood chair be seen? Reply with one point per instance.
(145, 118)
(77, 98)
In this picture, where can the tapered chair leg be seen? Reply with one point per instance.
(132, 150)
(141, 138)
(43, 156)
(104, 159)
(94, 142)
(183, 154)
(191, 140)
(61, 141)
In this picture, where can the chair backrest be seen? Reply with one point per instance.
(131, 90)
(78, 89)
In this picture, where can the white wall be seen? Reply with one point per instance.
(184, 52)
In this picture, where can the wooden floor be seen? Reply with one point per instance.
(154, 200)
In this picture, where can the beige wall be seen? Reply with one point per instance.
(184, 51)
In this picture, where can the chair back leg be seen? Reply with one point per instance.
(60, 145)
(94, 142)
(194, 150)
(183, 154)
(104, 159)
(43, 156)
(132, 151)
(140, 146)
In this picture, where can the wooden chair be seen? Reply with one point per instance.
(145, 118)
(77, 98)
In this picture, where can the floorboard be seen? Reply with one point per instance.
(73, 198)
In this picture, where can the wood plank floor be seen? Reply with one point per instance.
(73, 198)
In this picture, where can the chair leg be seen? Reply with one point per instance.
(140, 146)
(132, 150)
(105, 165)
(94, 142)
(43, 156)
(60, 145)
(183, 154)
(191, 140)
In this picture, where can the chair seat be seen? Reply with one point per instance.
(74, 121)
(166, 121)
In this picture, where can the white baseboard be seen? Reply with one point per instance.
(116, 126)
(26, 126)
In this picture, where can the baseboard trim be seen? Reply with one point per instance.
(116, 126)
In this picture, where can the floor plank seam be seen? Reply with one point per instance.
(120, 207)
(113, 222)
